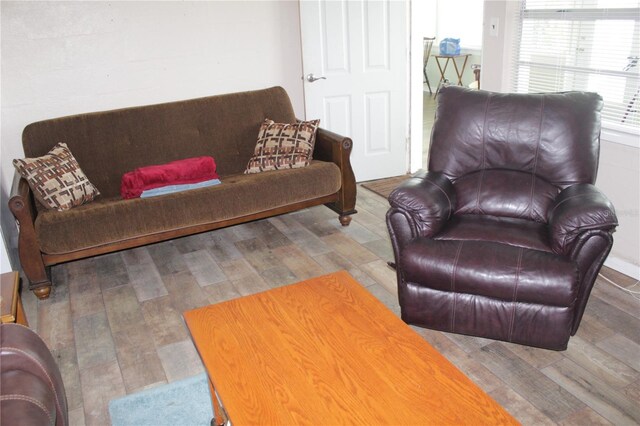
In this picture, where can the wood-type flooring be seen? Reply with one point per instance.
(115, 327)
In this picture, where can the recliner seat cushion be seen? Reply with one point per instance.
(110, 220)
(504, 230)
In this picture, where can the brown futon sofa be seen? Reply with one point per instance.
(110, 143)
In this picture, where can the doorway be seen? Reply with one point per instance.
(459, 19)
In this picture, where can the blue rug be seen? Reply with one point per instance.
(186, 402)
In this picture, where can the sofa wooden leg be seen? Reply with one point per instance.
(37, 273)
(43, 291)
(345, 220)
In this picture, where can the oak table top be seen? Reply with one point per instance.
(325, 351)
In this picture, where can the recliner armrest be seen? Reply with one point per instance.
(577, 209)
(429, 198)
(32, 388)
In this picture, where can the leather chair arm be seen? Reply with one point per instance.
(428, 198)
(32, 388)
(577, 209)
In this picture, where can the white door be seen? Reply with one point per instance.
(361, 50)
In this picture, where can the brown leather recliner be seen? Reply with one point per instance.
(505, 234)
(31, 388)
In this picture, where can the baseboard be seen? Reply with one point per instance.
(623, 266)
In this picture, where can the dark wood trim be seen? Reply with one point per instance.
(22, 205)
(337, 149)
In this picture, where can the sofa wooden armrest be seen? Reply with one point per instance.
(22, 205)
(337, 149)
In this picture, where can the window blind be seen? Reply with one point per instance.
(588, 45)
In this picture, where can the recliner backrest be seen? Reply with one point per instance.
(510, 154)
(553, 135)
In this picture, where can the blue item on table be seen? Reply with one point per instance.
(450, 46)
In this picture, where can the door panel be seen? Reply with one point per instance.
(335, 22)
(377, 124)
(376, 19)
(337, 114)
(360, 47)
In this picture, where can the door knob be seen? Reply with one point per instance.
(311, 78)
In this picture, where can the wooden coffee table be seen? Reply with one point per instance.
(325, 351)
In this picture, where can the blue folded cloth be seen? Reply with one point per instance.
(170, 189)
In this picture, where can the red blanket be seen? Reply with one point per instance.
(190, 170)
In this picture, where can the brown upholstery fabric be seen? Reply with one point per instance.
(238, 195)
(111, 143)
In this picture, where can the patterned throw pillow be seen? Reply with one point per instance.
(56, 179)
(283, 146)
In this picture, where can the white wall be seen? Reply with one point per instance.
(496, 51)
(5, 265)
(61, 58)
(619, 179)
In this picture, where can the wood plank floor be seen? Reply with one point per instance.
(114, 322)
